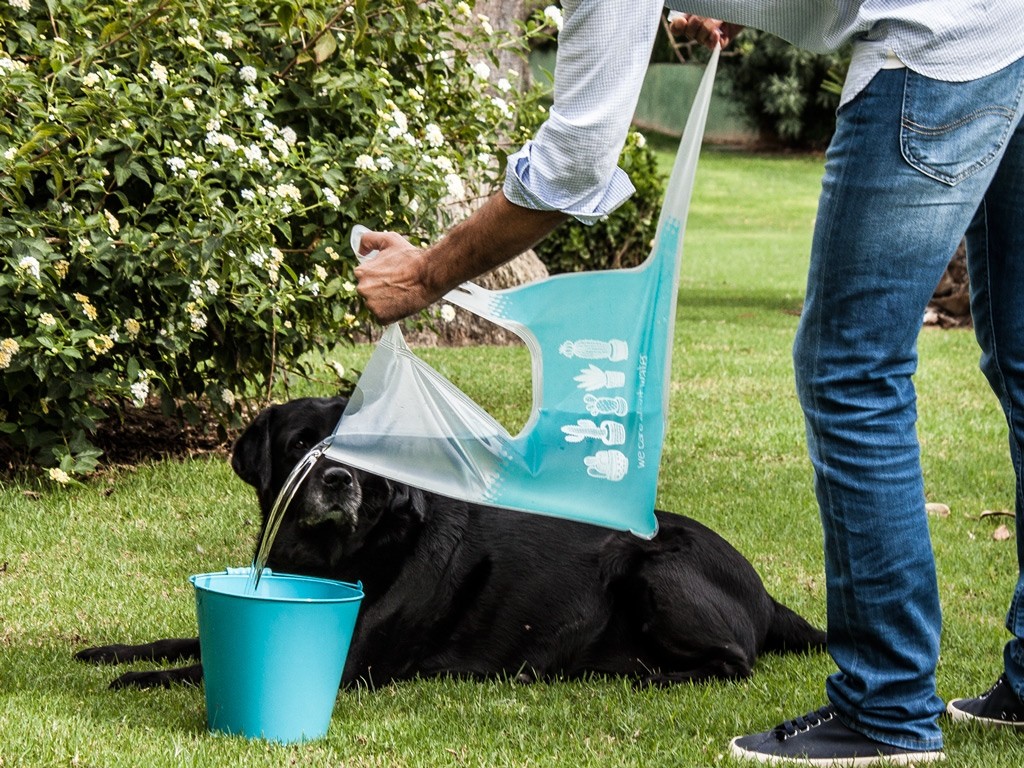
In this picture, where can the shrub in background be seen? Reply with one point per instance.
(783, 89)
(178, 181)
(624, 237)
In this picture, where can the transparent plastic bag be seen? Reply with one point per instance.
(601, 346)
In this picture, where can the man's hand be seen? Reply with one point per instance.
(401, 279)
(707, 32)
(394, 282)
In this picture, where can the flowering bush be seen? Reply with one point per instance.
(177, 193)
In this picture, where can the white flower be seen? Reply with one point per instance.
(502, 105)
(485, 24)
(288, 191)
(57, 474)
(224, 38)
(365, 163)
(91, 80)
(220, 58)
(442, 164)
(485, 159)
(289, 135)
(140, 391)
(504, 85)
(112, 222)
(30, 264)
(401, 121)
(212, 286)
(188, 104)
(254, 154)
(47, 320)
(11, 153)
(554, 16)
(8, 349)
(248, 194)
(433, 135)
(228, 397)
(21, 5)
(385, 164)
(331, 197)
(158, 72)
(176, 164)
(197, 320)
(481, 70)
(248, 74)
(447, 313)
(463, 8)
(454, 184)
(9, 65)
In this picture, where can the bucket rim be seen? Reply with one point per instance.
(243, 573)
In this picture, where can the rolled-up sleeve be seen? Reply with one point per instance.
(571, 164)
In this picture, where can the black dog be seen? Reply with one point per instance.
(453, 588)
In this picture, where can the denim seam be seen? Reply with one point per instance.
(939, 130)
(854, 662)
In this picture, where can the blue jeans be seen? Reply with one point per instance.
(914, 164)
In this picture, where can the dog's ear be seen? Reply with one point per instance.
(406, 499)
(250, 456)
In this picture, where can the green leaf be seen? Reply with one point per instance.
(325, 47)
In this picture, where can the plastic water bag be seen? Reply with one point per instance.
(601, 346)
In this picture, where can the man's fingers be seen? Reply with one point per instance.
(379, 241)
(707, 32)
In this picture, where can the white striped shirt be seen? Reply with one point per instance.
(604, 47)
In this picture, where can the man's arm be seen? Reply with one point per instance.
(402, 279)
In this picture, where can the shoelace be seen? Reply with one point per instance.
(990, 691)
(805, 723)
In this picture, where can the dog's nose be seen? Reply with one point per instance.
(338, 477)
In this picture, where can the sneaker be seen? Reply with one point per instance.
(997, 706)
(820, 738)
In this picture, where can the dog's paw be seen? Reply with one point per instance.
(162, 678)
(106, 654)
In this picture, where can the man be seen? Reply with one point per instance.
(929, 145)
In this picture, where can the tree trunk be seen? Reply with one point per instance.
(950, 306)
(503, 14)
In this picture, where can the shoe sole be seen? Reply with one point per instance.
(960, 716)
(906, 758)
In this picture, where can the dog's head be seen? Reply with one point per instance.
(337, 510)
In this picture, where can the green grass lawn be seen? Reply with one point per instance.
(109, 561)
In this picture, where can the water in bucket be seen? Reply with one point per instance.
(273, 659)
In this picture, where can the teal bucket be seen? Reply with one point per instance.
(272, 661)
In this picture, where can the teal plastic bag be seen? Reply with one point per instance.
(601, 349)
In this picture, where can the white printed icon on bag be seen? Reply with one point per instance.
(592, 349)
(607, 465)
(609, 433)
(594, 378)
(610, 406)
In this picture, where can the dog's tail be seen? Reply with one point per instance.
(789, 632)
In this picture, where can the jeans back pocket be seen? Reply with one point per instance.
(950, 131)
